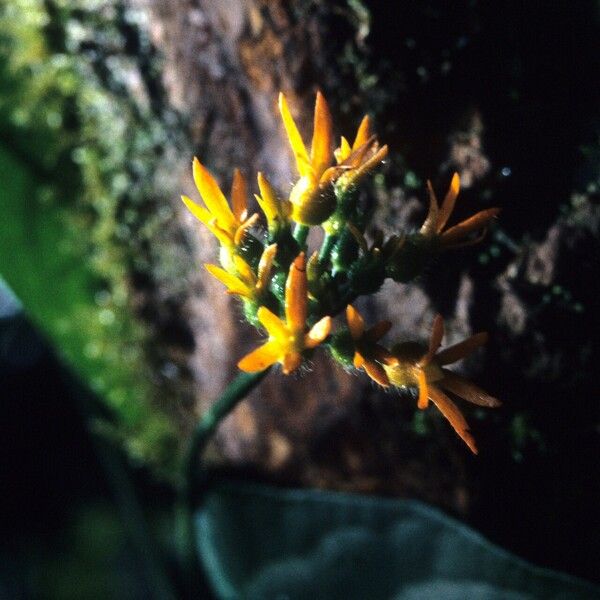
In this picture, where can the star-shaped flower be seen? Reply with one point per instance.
(287, 339)
(458, 235)
(311, 197)
(360, 158)
(227, 224)
(245, 282)
(368, 354)
(420, 367)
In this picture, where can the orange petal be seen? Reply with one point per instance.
(241, 230)
(233, 284)
(265, 265)
(238, 196)
(318, 332)
(244, 270)
(437, 333)
(291, 362)
(423, 401)
(273, 324)
(207, 218)
(268, 198)
(468, 391)
(330, 175)
(355, 175)
(454, 353)
(465, 243)
(302, 161)
(429, 227)
(295, 294)
(356, 323)
(435, 341)
(377, 331)
(343, 152)
(357, 155)
(459, 232)
(449, 201)
(212, 196)
(261, 358)
(363, 133)
(320, 152)
(358, 360)
(198, 211)
(376, 373)
(454, 416)
(223, 236)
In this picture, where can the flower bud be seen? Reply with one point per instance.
(311, 203)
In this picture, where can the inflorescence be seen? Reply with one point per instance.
(294, 299)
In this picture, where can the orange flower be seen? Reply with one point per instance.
(312, 200)
(287, 339)
(360, 158)
(227, 224)
(420, 367)
(245, 282)
(458, 235)
(368, 354)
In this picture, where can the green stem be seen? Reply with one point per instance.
(327, 246)
(236, 391)
(192, 486)
(301, 233)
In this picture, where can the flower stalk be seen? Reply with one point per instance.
(194, 472)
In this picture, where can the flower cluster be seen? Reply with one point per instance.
(294, 299)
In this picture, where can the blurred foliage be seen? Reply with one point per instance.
(82, 195)
(91, 544)
(351, 546)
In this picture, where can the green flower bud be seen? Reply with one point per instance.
(311, 204)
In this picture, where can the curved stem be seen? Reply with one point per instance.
(236, 391)
(192, 485)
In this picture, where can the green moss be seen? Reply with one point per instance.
(80, 199)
